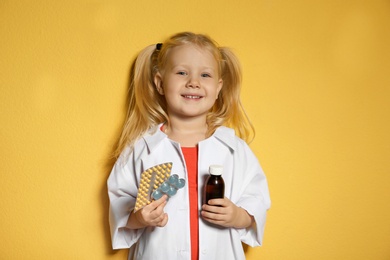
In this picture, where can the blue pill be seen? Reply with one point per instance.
(157, 194)
(164, 187)
(172, 191)
(173, 179)
(180, 183)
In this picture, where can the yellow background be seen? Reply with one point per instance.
(316, 85)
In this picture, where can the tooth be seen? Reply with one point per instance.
(191, 97)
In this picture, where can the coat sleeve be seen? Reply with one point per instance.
(122, 187)
(255, 198)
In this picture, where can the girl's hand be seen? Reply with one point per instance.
(225, 213)
(150, 215)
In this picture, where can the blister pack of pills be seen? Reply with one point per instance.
(151, 179)
(155, 182)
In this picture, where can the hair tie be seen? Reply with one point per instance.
(158, 46)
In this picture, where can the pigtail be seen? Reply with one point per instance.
(145, 105)
(228, 109)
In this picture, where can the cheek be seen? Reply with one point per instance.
(169, 95)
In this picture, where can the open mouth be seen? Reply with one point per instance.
(192, 96)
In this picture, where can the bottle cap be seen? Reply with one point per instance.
(216, 169)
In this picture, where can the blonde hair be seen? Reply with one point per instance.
(147, 108)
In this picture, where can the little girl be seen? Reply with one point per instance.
(185, 108)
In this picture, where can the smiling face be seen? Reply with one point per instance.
(189, 81)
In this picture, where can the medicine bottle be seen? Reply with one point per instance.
(215, 186)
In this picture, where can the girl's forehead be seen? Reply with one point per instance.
(190, 52)
(190, 48)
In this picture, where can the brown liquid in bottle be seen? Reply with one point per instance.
(215, 186)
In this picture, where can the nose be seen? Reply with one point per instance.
(193, 82)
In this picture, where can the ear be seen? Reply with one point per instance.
(159, 84)
(220, 84)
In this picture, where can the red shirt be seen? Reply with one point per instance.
(191, 158)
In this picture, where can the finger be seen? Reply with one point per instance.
(213, 209)
(164, 221)
(217, 202)
(154, 204)
(207, 214)
(158, 218)
(160, 209)
(206, 207)
(211, 217)
(157, 214)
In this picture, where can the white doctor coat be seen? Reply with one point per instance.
(245, 185)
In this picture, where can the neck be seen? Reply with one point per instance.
(188, 133)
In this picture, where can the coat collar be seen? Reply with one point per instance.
(223, 134)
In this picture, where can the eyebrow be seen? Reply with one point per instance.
(186, 65)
